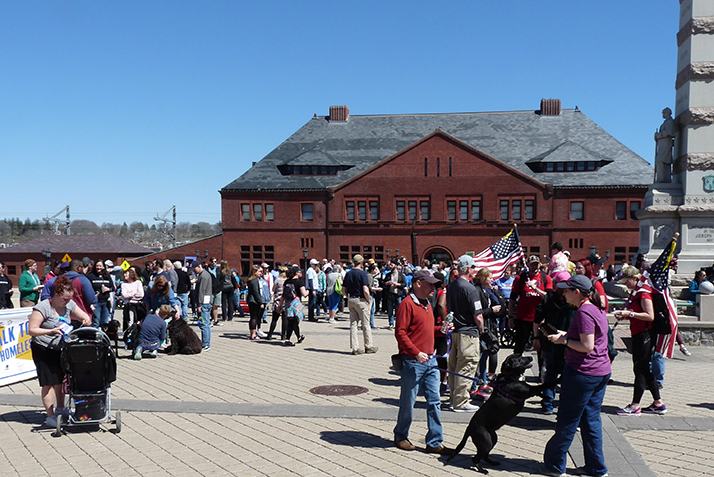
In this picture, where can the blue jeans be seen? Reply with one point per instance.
(657, 367)
(183, 301)
(204, 323)
(371, 313)
(554, 359)
(580, 402)
(414, 377)
(392, 305)
(101, 314)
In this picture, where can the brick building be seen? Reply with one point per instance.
(435, 186)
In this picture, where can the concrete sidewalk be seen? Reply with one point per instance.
(245, 408)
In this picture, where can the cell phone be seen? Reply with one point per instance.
(547, 329)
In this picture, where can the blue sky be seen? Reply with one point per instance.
(123, 109)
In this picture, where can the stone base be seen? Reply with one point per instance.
(705, 305)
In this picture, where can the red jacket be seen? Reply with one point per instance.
(415, 328)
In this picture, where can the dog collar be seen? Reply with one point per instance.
(498, 389)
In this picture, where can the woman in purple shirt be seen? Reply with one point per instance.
(585, 378)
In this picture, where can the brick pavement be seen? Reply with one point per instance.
(214, 414)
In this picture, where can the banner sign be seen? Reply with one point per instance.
(15, 355)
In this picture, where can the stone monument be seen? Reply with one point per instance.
(685, 202)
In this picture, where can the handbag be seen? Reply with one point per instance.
(338, 286)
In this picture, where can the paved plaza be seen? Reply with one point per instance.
(245, 408)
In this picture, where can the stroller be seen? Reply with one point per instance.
(91, 367)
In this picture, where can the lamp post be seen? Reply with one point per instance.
(304, 254)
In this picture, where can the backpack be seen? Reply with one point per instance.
(338, 286)
(216, 285)
(288, 293)
(131, 336)
(662, 323)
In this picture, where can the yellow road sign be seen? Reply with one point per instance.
(66, 258)
(125, 265)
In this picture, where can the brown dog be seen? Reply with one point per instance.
(183, 339)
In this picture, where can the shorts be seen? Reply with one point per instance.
(217, 299)
(49, 365)
(333, 301)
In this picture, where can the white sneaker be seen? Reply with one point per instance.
(467, 408)
(261, 333)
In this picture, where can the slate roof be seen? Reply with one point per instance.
(80, 244)
(516, 138)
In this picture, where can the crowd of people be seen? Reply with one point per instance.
(447, 318)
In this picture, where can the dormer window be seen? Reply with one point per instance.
(312, 170)
(564, 166)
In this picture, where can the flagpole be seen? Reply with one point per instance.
(518, 238)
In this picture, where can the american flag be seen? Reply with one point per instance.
(500, 255)
(657, 277)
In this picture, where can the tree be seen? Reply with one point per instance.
(124, 230)
(84, 227)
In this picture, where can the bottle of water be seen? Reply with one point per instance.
(449, 319)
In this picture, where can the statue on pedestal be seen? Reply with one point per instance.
(664, 138)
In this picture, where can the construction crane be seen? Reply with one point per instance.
(55, 221)
(163, 219)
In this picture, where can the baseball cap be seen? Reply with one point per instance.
(358, 258)
(577, 282)
(628, 271)
(533, 259)
(314, 262)
(296, 268)
(465, 261)
(86, 261)
(108, 264)
(594, 258)
(440, 277)
(426, 276)
(195, 264)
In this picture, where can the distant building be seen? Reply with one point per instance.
(435, 186)
(96, 247)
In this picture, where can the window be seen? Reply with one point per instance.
(530, 209)
(575, 243)
(350, 209)
(475, 210)
(307, 211)
(412, 208)
(449, 167)
(516, 210)
(464, 210)
(451, 209)
(426, 166)
(362, 210)
(307, 242)
(12, 269)
(577, 210)
(634, 207)
(316, 170)
(400, 210)
(269, 212)
(258, 212)
(438, 166)
(504, 209)
(255, 254)
(424, 206)
(367, 251)
(621, 210)
(373, 210)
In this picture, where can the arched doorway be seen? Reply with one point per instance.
(438, 254)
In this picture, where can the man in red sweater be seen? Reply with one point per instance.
(415, 330)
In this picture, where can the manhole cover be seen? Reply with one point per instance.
(339, 390)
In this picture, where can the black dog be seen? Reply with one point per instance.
(111, 329)
(506, 401)
(183, 339)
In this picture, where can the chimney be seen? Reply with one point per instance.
(339, 113)
(550, 107)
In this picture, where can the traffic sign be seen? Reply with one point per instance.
(125, 265)
(66, 258)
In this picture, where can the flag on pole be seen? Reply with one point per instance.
(500, 255)
(657, 277)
